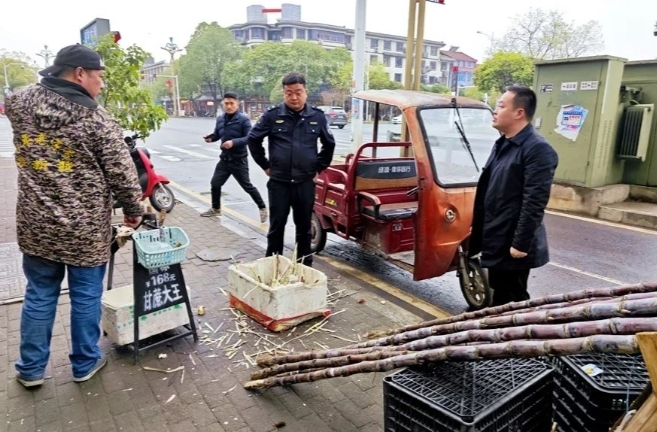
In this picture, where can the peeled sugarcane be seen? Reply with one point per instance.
(525, 348)
(509, 307)
(337, 357)
(587, 311)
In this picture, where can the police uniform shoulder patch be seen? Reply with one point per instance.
(280, 121)
(273, 108)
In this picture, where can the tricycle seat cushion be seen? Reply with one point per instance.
(385, 174)
(392, 212)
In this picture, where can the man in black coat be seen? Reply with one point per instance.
(512, 193)
(231, 128)
(292, 130)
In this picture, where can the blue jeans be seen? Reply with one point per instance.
(44, 279)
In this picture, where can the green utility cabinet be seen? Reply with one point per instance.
(578, 112)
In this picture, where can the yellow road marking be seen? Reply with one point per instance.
(365, 277)
(386, 287)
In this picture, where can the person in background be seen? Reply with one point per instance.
(512, 193)
(292, 130)
(71, 161)
(232, 128)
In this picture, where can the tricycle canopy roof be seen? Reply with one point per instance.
(403, 99)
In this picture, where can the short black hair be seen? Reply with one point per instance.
(230, 95)
(525, 98)
(294, 78)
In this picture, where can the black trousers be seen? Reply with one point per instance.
(238, 168)
(508, 285)
(282, 196)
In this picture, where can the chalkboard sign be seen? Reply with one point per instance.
(159, 288)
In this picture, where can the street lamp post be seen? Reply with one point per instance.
(46, 55)
(491, 38)
(172, 49)
(5, 65)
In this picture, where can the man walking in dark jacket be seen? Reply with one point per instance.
(292, 130)
(232, 128)
(512, 193)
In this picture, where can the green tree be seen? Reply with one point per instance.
(260, 71)
(130, 104)
(546, 34)
(378, 77)
(436, 88)
(20, 70)
(504, 69)
(209, 52)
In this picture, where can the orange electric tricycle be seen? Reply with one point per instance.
(412, 201)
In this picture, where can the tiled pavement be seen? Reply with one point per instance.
(210, 397)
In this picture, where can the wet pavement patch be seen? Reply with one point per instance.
(12, 281)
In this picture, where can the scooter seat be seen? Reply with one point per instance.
(392, 212)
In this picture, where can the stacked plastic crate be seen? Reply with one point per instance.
(511, 395)
(592, 391)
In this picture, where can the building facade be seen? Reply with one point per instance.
(152, 69)
(465, 64)
(387, 49)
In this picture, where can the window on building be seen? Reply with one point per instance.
(400, 47)
(374, 43)
(434, 51)
(386, 60)
(238, 34)
(274, 35)
(257, 33)
(432, 80)
(374, 58)
(286, 33)
(331, 36)
(399, 62)
(398, 77)
(387, 45)
(301, 33)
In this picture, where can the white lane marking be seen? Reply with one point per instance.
(153, 151)
(603, 222)
(189, 152)
(585, 273)
(171, 158)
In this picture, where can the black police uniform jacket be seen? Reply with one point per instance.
(512, 193)
(235, 128)
(292, 137)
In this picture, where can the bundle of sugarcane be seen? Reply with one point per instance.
(602, 320)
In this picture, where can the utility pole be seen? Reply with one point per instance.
(172, 49)
(359, 75)
(46, 55)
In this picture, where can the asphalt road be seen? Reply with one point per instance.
(584, 253)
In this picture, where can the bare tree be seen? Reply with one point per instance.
(545, 35)
(334, 97)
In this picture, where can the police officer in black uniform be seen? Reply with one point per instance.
(292, 130)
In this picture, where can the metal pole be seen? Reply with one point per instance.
(359, 74)
(177, 94)
(408, 67)
(419, 45)
(410, 38)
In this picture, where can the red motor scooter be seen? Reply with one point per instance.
(153, 185)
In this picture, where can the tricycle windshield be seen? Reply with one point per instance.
(455, 163)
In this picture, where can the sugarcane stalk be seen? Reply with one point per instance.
(587, 311)
(335, 358)
(626, 306)
(560, 347)
(635, 296)
(509, 307)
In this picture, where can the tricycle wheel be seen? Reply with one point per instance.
(474, 285)
(317, 235)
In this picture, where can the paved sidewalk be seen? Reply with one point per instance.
(210, 397)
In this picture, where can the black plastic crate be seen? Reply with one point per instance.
(511, 395)
(622, 379)
(594, 403)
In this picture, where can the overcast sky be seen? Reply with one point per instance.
(27, 25)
